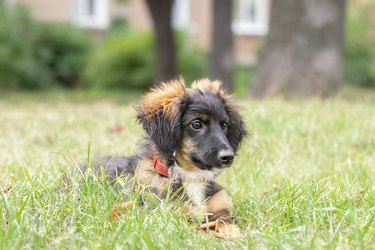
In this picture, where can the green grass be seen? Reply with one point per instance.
(304, 179)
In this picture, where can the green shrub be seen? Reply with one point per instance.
(62, 50)
(127, 60)
(243, 76)
(119, 25)
(36, 55)
(359, 48)
(17, 65)
(122, 60)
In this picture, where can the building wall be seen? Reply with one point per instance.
(135, 11)
(246, 48)
(48, 10)
(201, 21)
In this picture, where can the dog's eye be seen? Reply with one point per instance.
(224, 126)
(196, 125)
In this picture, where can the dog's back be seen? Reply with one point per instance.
(115, 166)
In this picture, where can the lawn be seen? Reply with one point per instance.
(303, 179)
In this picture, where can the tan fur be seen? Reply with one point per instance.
(221, 222)
(204, 85)
(208, 85)
(219, 202)
(164, 97)
(222, 230)
(182, 155)
(228, 230)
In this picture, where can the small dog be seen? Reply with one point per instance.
(191, 135)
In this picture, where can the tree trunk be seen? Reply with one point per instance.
(161, 13)
(303, 50)
(222, 61)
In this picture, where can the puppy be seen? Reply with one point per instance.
(191, 135)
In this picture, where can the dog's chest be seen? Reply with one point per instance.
(194, 184)
(195, 191)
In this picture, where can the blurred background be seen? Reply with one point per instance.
(256, 47)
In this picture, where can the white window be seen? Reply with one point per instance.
(90, 13)
(250, 17)
(181, 13)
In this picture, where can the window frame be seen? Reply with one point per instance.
(181, 14)
(245, 27)
(92, 14)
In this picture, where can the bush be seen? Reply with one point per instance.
(127, 60)
(243, 75)
(62, 50)
(17, 64)
(119, 25)
(122, 60)
(36, 55)
(359, 48)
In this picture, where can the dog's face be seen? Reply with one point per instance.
(199, 126)
(205, 126)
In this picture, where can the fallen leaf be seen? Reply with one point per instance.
(117, 129)
(120, 209)
(4, 213)
(7, 190)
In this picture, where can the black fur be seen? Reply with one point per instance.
(166, 134)
(237, 130)
(116, 166)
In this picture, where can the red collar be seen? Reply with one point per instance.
(159, 167)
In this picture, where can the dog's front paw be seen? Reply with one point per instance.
(222, 229)
(228, 230)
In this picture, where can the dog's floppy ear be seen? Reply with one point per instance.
(160, 115)
(237, 129)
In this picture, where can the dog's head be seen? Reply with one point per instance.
(199, 126)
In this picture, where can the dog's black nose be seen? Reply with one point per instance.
(226, 156)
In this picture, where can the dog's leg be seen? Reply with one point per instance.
(219, 207)
(220, 219)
